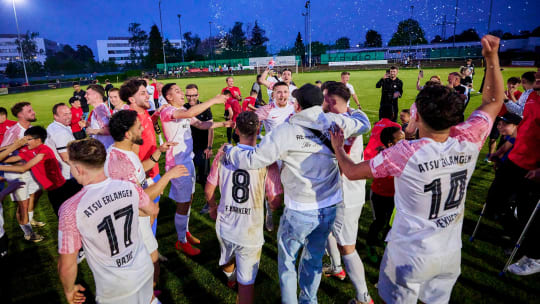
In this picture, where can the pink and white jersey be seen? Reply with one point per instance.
(354, 191)
(12, 134)
(431, 181)
(102, 218)
(272, 116)
(124, 107)
(177, 130)
(124, 165)
(100, 119)
(241, 208)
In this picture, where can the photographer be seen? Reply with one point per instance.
(392, 89)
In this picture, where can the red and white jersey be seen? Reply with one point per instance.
(103, 219)
(179, 131)
(124, 165)
(11, 135)
(431, 180)
(272, 116)
(354, 191)
(99, 120)
(241, 208)
(124, 107)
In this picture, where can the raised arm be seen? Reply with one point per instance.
(493, 94)
(199, 108)
(263, 80)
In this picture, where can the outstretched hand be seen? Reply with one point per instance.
(337, 137)
(490, 45)
(166, 146)
(178, 171)
(76, 296)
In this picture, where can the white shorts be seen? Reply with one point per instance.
(142, 296)
(30, 187)
(345, 228)
(182, 188)
(247, 260)
(405, 279)
(148, 237)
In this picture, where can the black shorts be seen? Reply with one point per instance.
(494, 134)
(3, 246)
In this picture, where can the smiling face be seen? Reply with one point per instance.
(192, 96)
(141, 98)
(345, 78)
(93, 97)
(176, 95)
(230, 82)
(63, 115)
(281, 95)
(33, 142)
(135, 133)
(286, 76)
(28, 114)
(393, 73)
(114, 97)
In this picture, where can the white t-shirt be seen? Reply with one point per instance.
(272, 116)
(58, 137)
(125, 165)
(431, 180)
(351, 89)
(354, 191)
(102, 218)
(241, 208)
(179, 131)
(99, 120)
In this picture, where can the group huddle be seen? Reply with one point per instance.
(106, 188)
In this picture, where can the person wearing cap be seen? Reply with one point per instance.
(312, 186)
(507, 127)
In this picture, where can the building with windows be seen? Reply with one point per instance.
(118, 49)
(9, 49)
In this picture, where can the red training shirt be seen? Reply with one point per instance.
(47, 172)
(156, 93)
(76, 116)
(233, 90)
(375, 138)
(4, 126)
(248, 101)
(526, 153)
(149, 145)
(503, 110)
(235, 105)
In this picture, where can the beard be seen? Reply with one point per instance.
(138, 141)
(32, 119)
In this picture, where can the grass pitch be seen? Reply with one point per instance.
(34, 277)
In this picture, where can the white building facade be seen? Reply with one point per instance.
(9, 51)
(118, 49)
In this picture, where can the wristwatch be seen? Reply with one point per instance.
(209, 148)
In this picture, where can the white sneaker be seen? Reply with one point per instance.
(35, 223)
(269, 221)
(34, 237)
(525, 266)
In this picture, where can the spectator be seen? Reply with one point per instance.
(345, 76)
(392, 89)
(404, 117)
(507, 126)
(374, 142)
(470, 66)
(81, 95)
(156, 93)
(77, 122)
(454, 81)
(318, 83)
(116, 102)
(59, 134)
(108, 87)
(250, 103)
(232, 106)
(466, 78)
(528, 82)
(257, 88)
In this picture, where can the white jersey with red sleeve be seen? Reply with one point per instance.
(241, 208)
(102, 218)
(12, 134)
(272, 115)
(125, 165)
(431, 180)
(100, 120)
(179, 131)
(354, 191)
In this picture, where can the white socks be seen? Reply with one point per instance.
(355, 270)
(27, 229)
(181, 222)
(333, 251)
(30, 215)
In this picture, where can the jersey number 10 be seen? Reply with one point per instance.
(458, 183)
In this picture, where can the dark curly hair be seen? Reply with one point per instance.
(247, 123)
(130, 88)
(440, 107)
(120, 123)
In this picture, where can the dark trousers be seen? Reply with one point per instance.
(59, 195)
(394, 105)
(232, 135)
(7, 270)
(202, 166)
(510, 183)
(383, 206)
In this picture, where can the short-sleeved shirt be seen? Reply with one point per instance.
(100, 120)
(4, 126)
(526, 153)
(177, 130)
(375, 138)
(431, 181)
(272, 115)
(233, 91)
(149, 145)
(58, 137)
(76, 116)
(47, 172)
(200, 136)
(241, 208)
(233, 104)
(124, 165)
(12, 134)
(248, 101)
(351, 89)
(103, 219)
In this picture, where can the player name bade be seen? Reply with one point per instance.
(444, 162)
(107, 199)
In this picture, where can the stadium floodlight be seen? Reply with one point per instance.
(20, 42)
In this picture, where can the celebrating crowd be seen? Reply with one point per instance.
(101, 174)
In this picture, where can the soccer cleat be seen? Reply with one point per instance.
(191, 239)
(35, 223)
(205, 209)
(525, 266)
(372, 254)
(34, 237)
(330, 271)
(187, 248)
(269, 221)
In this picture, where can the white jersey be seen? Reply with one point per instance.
(12, 134)
(179, 131)
(125, 165)
(431, 180)
(272, 116)
(354, 191)
(100, 218)
(351, 89)
(241, 208)
(58, 137)
(100, 120)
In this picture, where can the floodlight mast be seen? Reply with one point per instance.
(20, 43)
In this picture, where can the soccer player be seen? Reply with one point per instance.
(423, 256)
(176, 121)
(235, 91)
(342, 240)
(40, 159)
(99, 122)
(233, 108)
(249, 102)
(312, 185)
(391, 89)
(239, 225)
(100, 218)
(286, 77)
(25, 195)
(345, 76)
(116, 101)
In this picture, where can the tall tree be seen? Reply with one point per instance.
(299, 47)
(155, 51)
(343, 43)
(192, 43)
(318, 48)
(408, 32)
(465, 36)
(257, 41)
(29, 46)
(84, 54)
(373, 39)
(437, 39)
(236, 42)
(137, 41)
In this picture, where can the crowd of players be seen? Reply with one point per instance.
(105, 188)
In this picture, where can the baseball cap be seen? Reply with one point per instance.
(511, 118)
(308, 95)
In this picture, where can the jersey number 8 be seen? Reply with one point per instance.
(240, 190)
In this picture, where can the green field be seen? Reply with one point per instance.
(199, 280)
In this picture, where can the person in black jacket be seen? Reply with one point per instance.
(392, 89)
(80, 95)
